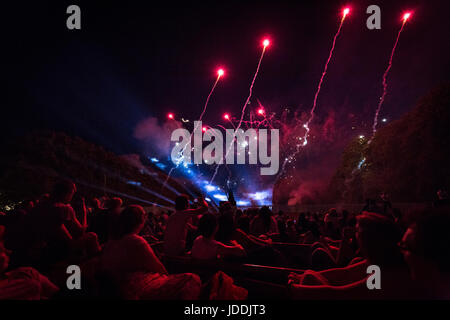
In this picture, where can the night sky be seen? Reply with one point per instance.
(136, 59)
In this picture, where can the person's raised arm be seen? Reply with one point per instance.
(345, 253)
(74, 225)
(203, 207)
(83, 209)
(236, 250)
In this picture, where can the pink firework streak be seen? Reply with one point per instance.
(385, 85)
(220, 73)
(265, 44)
(311, 117)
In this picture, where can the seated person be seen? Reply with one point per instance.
(51, 232)
(258, 250)
(129, 261)
(206, 248)
(377, 237)
(102, 220)
(425, 246)
(264, 223)
(177, 225)
(22, 283)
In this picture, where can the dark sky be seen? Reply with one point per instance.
(135, 59)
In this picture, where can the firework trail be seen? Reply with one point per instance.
(311, 117)
(220, 73)
(385, 86)
(266, 43)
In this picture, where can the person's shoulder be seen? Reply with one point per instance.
(173, 216)
(183, 215)
(199, 239)
(133, 238)
(198, 242)
(135, 241)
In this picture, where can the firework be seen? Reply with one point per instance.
(220, 74)
(345, 12)
(406, 16)
(304, 140)
(265, 44)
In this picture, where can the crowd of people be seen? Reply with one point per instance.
(123, 250)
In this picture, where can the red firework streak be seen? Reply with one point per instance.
(406, 16)
(345, 12)
(265, 44)
(220, 74)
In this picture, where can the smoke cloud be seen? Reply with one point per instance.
(154, 136)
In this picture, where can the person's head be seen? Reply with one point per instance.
(315, 230)
(226, 228)
(182, 202)
(207, 226)
(115, 203)
(442, 194)
(333, 212)
(26, 205)
(131, 220)
(378, 238)
(243, 223)
(63, 191)
(95, 204)
(426, 243)
(226, 208)
(265, 214)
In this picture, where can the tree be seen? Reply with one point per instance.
(408, 158)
